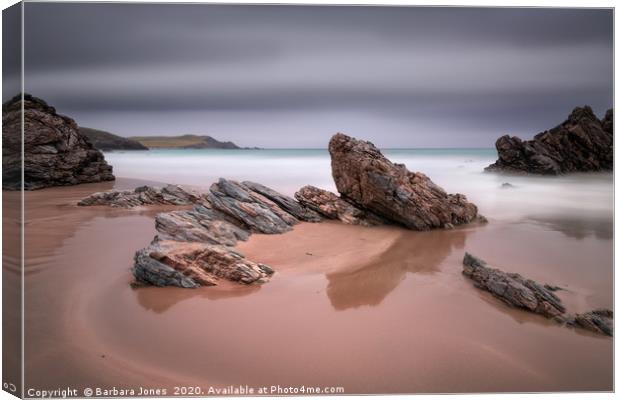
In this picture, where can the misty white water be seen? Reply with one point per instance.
(577, 204)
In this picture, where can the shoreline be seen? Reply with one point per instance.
(399, 287)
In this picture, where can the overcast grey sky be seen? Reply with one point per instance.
(291, 76)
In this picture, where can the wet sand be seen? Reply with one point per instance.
(373, 310)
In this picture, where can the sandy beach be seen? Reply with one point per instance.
(372, 310)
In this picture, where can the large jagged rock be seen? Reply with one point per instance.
(142, 196)
(331, 206)
(198, 243)
(55, 153)
(582, 143)
(519, 292)
(364, 177)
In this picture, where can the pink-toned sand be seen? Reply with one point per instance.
(373, 310)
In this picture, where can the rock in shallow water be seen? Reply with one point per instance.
(55, 152)
(529, 295)
(365, 178)
(582, 143)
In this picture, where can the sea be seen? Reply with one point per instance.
(579, 204)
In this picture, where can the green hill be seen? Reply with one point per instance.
(183, 142)
(107, 141)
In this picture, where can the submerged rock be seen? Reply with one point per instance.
(582, 143)
(55, 152)
(141, 196)
(331, 206)
(365, 178)
(517, 291)
(513, 289)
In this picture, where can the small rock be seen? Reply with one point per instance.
(513, 289)
(523, 293)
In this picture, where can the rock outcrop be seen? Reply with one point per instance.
(142, 196)
(195, 247)
(55, 153)
(519, 292)
(368, 180)
(582, 143)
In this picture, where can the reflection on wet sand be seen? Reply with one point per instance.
(415, 252)
(575, 227)
(160, 300)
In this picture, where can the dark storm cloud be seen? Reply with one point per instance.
(488, 70)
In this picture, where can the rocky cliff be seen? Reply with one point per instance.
(582, 143)
(55, 153)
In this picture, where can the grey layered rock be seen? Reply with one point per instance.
(331, 206)
(197, 243)
(517, 291)
(142, 196)
(150, 271)
(55, 153)
(598, 321)
(365, 178)
(582, 143)
(192, 264)
(288, 204)
(201, 224)
(249, 209)
(512, 288)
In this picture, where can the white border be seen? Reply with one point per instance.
(478, 3)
